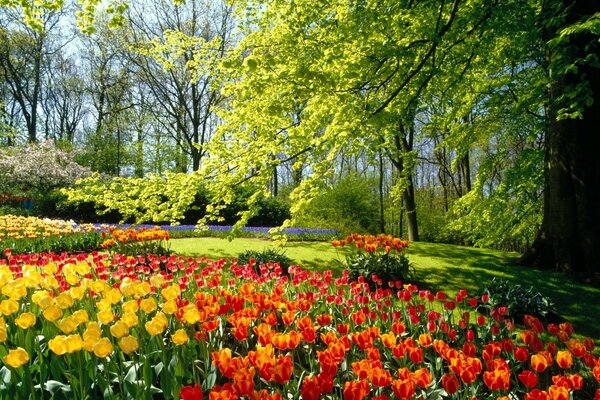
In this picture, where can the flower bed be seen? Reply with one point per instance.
(167, 327)
(34, 235)
(176, 231)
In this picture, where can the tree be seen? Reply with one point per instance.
(357, 71)
(176, 53)
(37, 169)
(569, 238)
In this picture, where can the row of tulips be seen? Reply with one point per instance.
(33, 235)
(18, 227)
(91, 326)
(133, 241)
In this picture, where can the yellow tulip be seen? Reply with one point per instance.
(67, 325)
(80, 317)
(3, 333)
(113, 295)
(157, 280)
(16, 358)
(64, 300)
(52, 313)
(105, 316)
(50, 282)
(8, 307)
(103, 348)
(119, 329)
(25, 320)
(180, 337)
(191, 314)
(73, 343)
(42, 299)
(131, 306)
(77, 292)
(171, 292)
(58, 345)
(148, 305)
(128, 344)
(142, 289)
(169, 307)
(130, 319)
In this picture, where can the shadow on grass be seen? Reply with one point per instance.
(454, 267)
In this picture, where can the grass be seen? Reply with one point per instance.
(439, 267)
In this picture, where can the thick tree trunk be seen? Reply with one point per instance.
(569, 238)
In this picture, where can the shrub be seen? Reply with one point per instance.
(258, 258)
(350, 206)
(378, 260)
(518, 300)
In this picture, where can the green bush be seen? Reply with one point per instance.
(378, 260)
(350, 206)
(264, 257)
(518, 300)
(380, 269)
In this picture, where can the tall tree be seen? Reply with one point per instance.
(569, 238)
(24, 51)
(186, 42)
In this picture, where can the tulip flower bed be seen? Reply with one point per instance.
(92, 326)
(34, 235)
(133, 241)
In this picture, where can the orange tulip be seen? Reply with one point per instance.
(404, 389)
(243, 381)
(558, 393)
(421, 377)
(380, 377)
(282, 371)
(356, 390)
(225, 392)
(564, 359)
(539, 362)
(498, 379)
(537, 394)
(310, 388)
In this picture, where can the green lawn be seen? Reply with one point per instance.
(438, 267)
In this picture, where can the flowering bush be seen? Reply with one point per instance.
(33, 235)
(133, 242)
(38, 168)
(377, 260)
(121, 327)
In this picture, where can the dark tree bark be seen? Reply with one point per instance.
(569, 238)
(403, 146)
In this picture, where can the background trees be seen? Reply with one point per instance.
(462, 121)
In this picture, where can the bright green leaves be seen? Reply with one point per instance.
(150, 199)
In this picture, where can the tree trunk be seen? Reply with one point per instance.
(408, 197)
(569, 238)
(381, 195)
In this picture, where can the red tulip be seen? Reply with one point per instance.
(450, 383)
(528, 378)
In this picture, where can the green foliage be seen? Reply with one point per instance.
(349, 206)
(519, 300)
(257, 258)
(505, 215)
(151, 199)
(55, 204)
(378, 260)
(379, 269)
